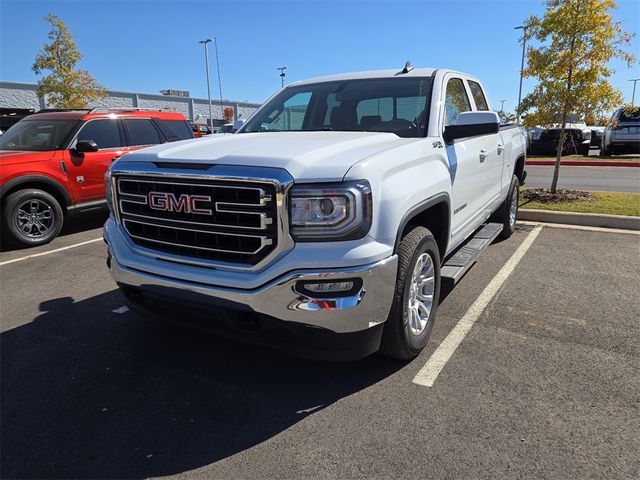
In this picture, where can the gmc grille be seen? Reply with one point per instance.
(226, 221)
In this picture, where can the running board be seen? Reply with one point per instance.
(460, 262)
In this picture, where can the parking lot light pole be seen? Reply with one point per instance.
(502, 105)
(215, 44)
(524, 43)
(282, 75)
(633, 95)
(206, 64)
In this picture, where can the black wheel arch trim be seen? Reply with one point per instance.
(16, 182)
(89, 206)
(521, 173)
(417, 210)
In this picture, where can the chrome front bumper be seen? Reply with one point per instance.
(280, 298)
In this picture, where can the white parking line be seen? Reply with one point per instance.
(428, 374)
(14, 260)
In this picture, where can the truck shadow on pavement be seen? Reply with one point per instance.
(84, 222)
(88, 393)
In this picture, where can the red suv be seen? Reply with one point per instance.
(52, 164)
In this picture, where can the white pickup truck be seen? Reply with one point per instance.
(327, 223)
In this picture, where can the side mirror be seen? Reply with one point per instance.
(84, 146)
(472, 124)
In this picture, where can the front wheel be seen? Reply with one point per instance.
(416, 296)
(31, 217)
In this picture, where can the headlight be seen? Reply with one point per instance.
(340, 211)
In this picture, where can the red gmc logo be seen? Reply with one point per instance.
(185, 203)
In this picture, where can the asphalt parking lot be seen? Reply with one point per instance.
(598, 179)
(545, 383)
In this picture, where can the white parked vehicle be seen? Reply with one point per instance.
(622, 135)
(544, 141)
(226, 128)
(326, 225)
(596, 135)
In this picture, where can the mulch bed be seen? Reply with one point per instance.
(543, 195)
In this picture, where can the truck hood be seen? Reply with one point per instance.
(307, 156)
(10, 157)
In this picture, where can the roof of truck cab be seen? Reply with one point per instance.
(391, 73)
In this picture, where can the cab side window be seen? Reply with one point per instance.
(141, 132)
(104, 132)
(456, 102)
(478, 95)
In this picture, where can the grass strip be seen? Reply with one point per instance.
(610, 203)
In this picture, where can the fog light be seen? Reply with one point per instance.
(329, 287)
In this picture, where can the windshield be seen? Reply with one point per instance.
(394, 105)
(37, 135)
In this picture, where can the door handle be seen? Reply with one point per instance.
(483, 155)
(500, 148)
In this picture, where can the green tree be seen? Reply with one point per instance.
(65, 86)
(576, 41)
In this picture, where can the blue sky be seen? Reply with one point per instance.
(147, 46)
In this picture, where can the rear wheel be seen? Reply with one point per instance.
(507, 213)
(31, 217)
(606, 151)
(416, 297)
(569, 148)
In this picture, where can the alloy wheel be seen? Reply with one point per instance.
(34, 218)
(421, 291)
(513, 207)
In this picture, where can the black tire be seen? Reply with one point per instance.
(47, 222)
(503, 213)
(569, 149)
(398, 340)
(607, 152)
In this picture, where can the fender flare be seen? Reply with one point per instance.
(418, 209)
(11, 184)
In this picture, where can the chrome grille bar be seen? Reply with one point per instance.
(264, 240)
(264, 196)
(264, 219)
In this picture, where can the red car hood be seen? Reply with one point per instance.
(10, 157)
